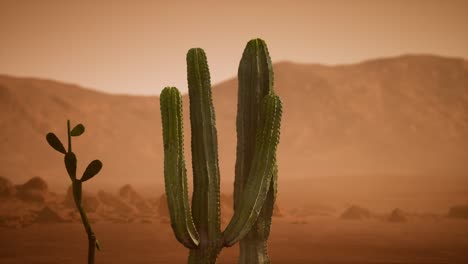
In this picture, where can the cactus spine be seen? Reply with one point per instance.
(70, 164)
(198, 228)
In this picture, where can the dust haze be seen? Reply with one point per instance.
(372, 167)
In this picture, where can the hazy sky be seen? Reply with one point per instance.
(139, 47)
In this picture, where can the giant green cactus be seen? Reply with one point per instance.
(255, 76)
(258, 126)
(70, 164)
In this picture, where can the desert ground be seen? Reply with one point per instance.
(39, 226)
(317, 240)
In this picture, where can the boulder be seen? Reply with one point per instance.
(112, 204)
(227, 207)
(397, 216)
(34, 190)
(277, 212)
(6, 188)
(163, 210)
(459, 211)
(299, 221)
(356, 213)
(314, 209)
(128, 194)
(46, 216)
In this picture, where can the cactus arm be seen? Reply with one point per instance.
(267, 210)
(255, 82)
(253, 248)
(175, 174)
(260, 175)
(205, 200)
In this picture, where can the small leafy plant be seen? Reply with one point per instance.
(70, 164)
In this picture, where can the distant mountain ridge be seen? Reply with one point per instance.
(392, 116)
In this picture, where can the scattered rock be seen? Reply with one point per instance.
(356, 213)
(163, 210)
(299, 222)
(277, 212)
(312, 210)
(10, 221)
(459, 211)
(227, 207)
(34, 190)
(47, 215)
(114, 205)
(6, 188)
(128, 194)
(397, 216)
(146, 221)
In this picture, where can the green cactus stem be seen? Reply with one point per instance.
(198, 227)
(255, 82)
(70, 164)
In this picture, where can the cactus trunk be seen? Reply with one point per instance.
(205, 199)
(204, 255)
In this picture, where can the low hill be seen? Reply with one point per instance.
(385, 118)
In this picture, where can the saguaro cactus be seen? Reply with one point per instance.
(198, 228)
(70, 164)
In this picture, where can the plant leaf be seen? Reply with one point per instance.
(261, 172)
(93, 168)
(55, 143)
(77, 130)
(70, 164)
(98, 245)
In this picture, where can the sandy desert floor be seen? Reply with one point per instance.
(318, 239)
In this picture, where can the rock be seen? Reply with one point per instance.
(459, 211)
(277, 211)
(308, 210)
(397, 216)
(227, 207)
(9, 221)
(146, 221)
(111, 204)
(6, 188)
(163, 210)
(47, 215)
(299, 222)
(128, 194)
(34, 190)
(356, 213)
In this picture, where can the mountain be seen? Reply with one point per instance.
(387, 117)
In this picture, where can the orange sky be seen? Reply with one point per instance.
(139, 48)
